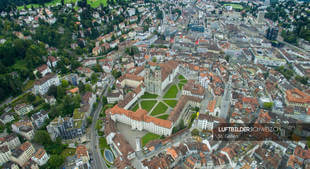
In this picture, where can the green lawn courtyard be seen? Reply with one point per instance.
(182, 81)
(171, 103)
(172, 92)
(149, 96)
(135, 108)
(164, 117)
(149, 137)
(180, 85)
(159, 109)
(181, 77)
(148, 104)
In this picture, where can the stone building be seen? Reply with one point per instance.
(153, 79)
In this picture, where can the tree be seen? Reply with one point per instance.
(266, 75)
(97, 68)
(159, 14)
(116, 74)
(64, 83)
(61, 92)
(42, 137)
(195, 132)
(227, 57)
(55, 161)
(34, 55)
(52, 91)
(133, 50)
(104, 100)
(31, 98)
(89, 120)
(38, 75)
(94, 78)
(154, 59)
(303, 80)
(268, 105)
(88, 88)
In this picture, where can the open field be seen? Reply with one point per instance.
(159, 109)
(235, 6)
(96, 3)
(52, 3)
(92, 3)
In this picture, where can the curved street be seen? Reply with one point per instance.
(95, 149)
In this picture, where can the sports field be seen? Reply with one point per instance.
(234, 6)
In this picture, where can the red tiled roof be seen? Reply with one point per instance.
(297, 96)
(25, 146)
(40, 153)
(211, 105)
(141, 115)
(42, 68)
(81, 151)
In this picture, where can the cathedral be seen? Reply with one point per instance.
(158, 76)
(152, 80)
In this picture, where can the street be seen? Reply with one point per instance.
(97, 156)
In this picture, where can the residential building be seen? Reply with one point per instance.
(86, 71)
(89, 62)
(24, 128)
(50, 100)
(131, 11)
(193, 89)
(39, 118)
(23, 153)
(82, 153)
(23, 109)
(40, 157)
(31, 165)
(120, 146)
(5, 154)
(44, 69)
(208, 122)
(10, 165)
(114, 96)
(11, 140)
(295, 97)
(67, 127)
(88, 100)
(6, 118)
(42, 85)
(51, 61)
